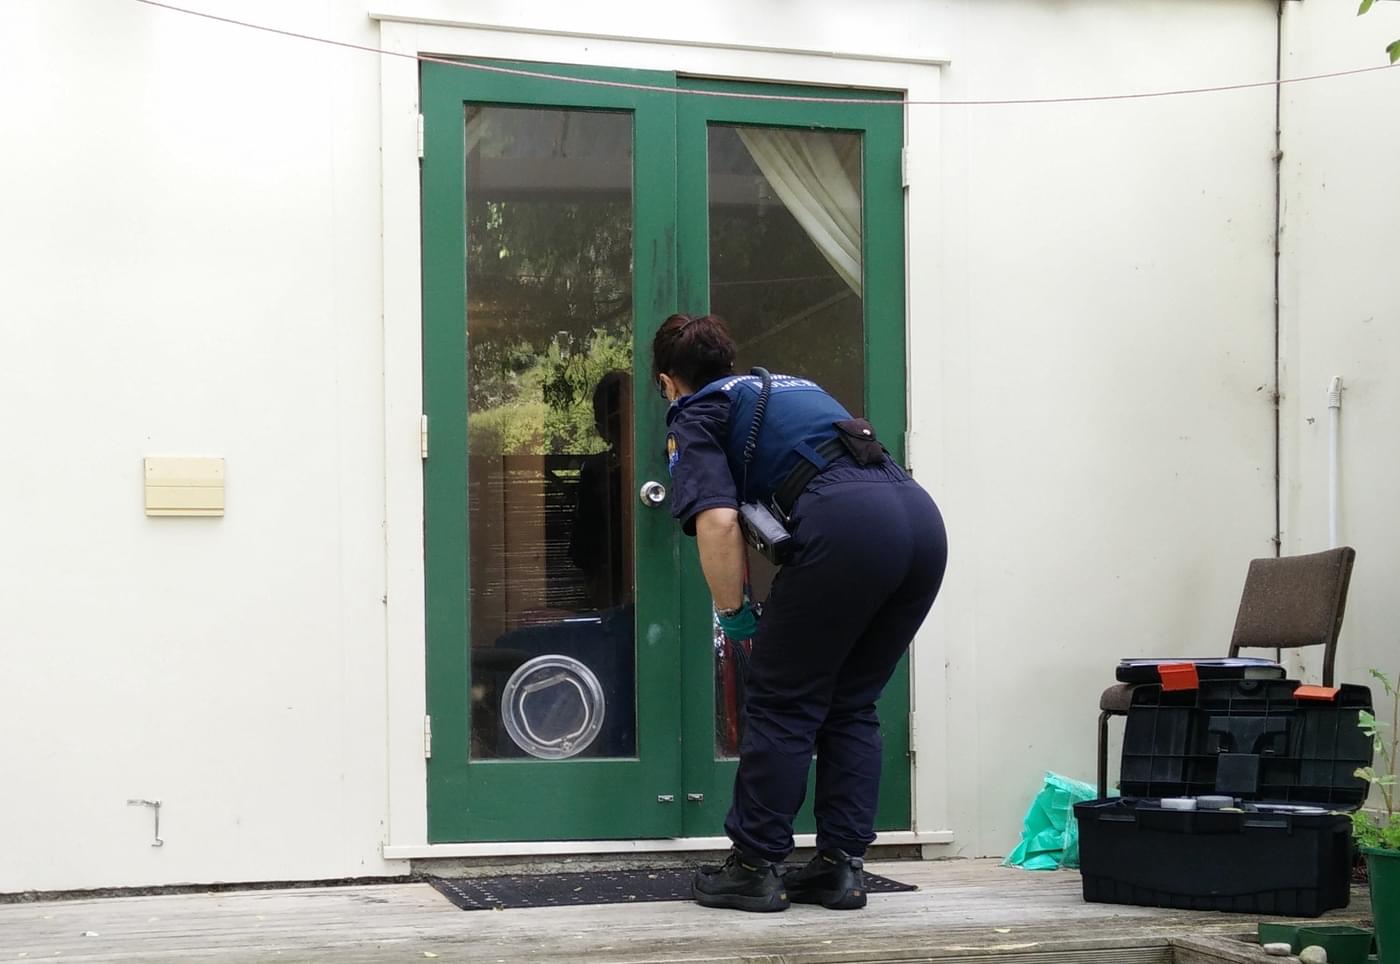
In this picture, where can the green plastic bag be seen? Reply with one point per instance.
(1050, 834)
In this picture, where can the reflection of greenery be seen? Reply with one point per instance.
(1380, 829)
(538, 267)
(551, 408)
(549, 288)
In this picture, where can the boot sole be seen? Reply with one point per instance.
(755, 905)
(830, 899)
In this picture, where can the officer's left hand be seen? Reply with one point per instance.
(742, 625)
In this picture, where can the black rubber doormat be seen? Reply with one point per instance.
(604, 887)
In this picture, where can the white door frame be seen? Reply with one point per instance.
(407, 26)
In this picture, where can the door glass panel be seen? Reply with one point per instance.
(549, 397)
(785, 208)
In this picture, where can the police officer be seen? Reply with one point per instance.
(868, 551)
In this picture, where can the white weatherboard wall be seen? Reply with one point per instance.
(1340, 312)
(191, 264)
(1101, 364)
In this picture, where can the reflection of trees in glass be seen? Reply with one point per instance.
(549, 273)
(549, 288)
(551, 408)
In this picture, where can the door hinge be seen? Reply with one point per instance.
(422, 436)
(913, 736)
(427, 737)
(420, 137)
(903, 165)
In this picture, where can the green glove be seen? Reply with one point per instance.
(742, 624)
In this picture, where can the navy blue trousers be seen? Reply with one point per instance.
(871, 551)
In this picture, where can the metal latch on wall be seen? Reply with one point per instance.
(155, 808)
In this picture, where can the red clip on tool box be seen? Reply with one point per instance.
(1275, 764)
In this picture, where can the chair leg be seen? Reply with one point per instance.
(1103, 754)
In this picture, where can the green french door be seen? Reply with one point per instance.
(576, 685)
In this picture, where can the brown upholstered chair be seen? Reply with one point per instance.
(1289, 602)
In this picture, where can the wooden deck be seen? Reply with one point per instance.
(965, 911)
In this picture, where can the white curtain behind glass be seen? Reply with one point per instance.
(819, 184)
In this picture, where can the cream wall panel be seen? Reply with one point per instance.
(189, 262)
(1340, 313)
(1104, 351)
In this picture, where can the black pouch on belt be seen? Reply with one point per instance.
(858, 435)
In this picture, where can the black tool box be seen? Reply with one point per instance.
(1273, 759)
(1213, 667)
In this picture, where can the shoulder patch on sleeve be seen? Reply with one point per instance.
(673, 453)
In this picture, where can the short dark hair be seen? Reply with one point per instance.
(696, 350)
(610, 405)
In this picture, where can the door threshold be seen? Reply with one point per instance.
(546, 848)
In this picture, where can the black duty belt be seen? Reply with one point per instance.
(785, 497)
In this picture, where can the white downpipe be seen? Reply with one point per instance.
(1334, 461)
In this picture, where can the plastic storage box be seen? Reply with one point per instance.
(1212, 668)
(1285, 753)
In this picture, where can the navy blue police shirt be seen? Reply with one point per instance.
(706, 433)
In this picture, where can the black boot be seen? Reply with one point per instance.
(740, 883)
(831, 878)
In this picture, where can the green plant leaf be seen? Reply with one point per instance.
(1390, 836)
(1365, 830)
(1380, 827)
(1367, 721)
(1365, 5)
(1394, 51)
